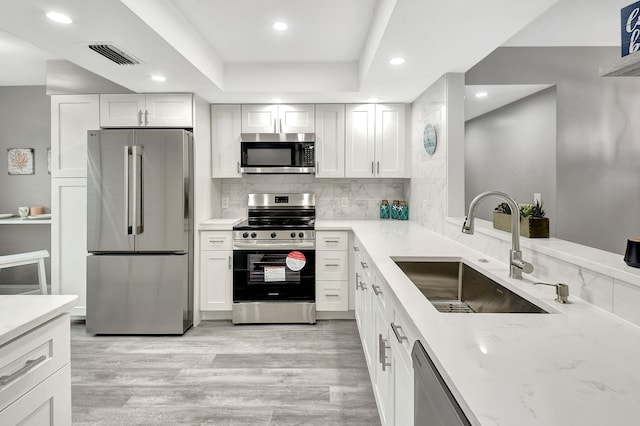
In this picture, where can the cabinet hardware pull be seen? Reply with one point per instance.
(376, 289)
(229, 262)
(372, 168)
(357, 280)
(364, 264)
(274, 126)
(146, 117)
(238, 166)
(356, 248)
(280, 129)
(28, 365)
(396, 330)
(331, 295)
(140, 117)
(378, 167)
(332, 241)
(331, 264)
(382, 347)
(363, 285)
(216, 240)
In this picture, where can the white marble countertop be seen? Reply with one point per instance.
(21, 313)
(578, 365)
(219, 224)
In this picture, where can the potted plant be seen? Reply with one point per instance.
(533, 224)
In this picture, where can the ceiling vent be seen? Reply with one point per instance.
(114, 54)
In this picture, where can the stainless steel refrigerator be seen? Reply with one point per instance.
(139, 231)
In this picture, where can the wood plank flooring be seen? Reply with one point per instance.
(221, 374)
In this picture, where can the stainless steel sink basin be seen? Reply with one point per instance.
(454, 287)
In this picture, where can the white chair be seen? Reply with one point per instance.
(29, 258)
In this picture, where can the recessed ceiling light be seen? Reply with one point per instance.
(482, 95)
(373, 100)
(396, 61)
(280, 26)
(276, 99)
(59, 17)
(158, 78)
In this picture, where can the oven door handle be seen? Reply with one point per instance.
(273, 245)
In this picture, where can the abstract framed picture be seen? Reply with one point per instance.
(20, 161)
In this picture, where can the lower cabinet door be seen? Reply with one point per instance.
(385, 368)
(216, 280)
(402, 387)
(49, 403)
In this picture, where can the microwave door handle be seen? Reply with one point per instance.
(127, 190)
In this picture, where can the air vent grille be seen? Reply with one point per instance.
(114, 54)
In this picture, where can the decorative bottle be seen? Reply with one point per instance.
(395, 209)
(384, 209)
(403, 211)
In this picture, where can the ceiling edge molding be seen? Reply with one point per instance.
(67, 78)
(169, 23)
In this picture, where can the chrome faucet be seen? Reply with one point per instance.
(517, 265)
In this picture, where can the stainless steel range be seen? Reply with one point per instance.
(274, 260)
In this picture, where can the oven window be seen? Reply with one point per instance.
(270, 268)
(269, 156)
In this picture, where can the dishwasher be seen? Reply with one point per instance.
(434, 405)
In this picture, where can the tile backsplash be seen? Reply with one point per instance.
(362, 196)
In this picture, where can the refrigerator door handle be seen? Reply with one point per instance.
(127, 190)
(138, 213)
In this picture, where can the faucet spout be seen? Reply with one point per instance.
(517, 265)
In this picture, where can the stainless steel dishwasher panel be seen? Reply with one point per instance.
(434, 405)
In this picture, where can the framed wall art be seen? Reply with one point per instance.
(20, 161)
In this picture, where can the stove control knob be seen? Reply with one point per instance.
(245, 235)
(253, 235)
(301, 235)
(293, 235)
(273, 235)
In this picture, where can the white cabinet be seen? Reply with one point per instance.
(71, 117)
(147, 110)
(332, 271)
(69, 240)
(216, 271)
(225, 141)
(36, 387)
(295, 118)
(375, 140)
(330, 140)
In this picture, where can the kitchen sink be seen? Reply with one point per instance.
(453, 287)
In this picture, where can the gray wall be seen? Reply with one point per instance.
(598, 147)
(25, 122)
(513, 149)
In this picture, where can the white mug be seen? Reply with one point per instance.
(23, 211)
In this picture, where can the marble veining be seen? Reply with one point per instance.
(574, 366)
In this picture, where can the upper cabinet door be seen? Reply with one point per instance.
(329, 140)
(225, 141)
(360, 140)
(296, 118)
(71, 117)
(122, 110)
(259, 118)
(152, 110)
(390, 140)
(169, 110)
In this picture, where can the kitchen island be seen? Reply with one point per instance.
(35, 382)
(573, 366)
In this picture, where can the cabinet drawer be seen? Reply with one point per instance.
(49, 403)
(32, 357)
(329, 240)
(215, 240)
(403, 332)
(332, 296)
(332, 265)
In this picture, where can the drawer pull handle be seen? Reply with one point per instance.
(356, 248)
(382, 348)
(331, 295)
(357, 281)
(332, 264)
(376, 289)
(28, 365)
(332, 241)
(364, 264)
(396, 330)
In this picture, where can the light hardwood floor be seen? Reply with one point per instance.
(221, 374)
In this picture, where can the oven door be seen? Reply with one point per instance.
(274, 275)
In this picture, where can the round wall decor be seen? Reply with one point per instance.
(429, 139)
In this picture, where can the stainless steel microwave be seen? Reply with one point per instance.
(277, 153)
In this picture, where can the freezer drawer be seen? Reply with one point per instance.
(139, 294)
